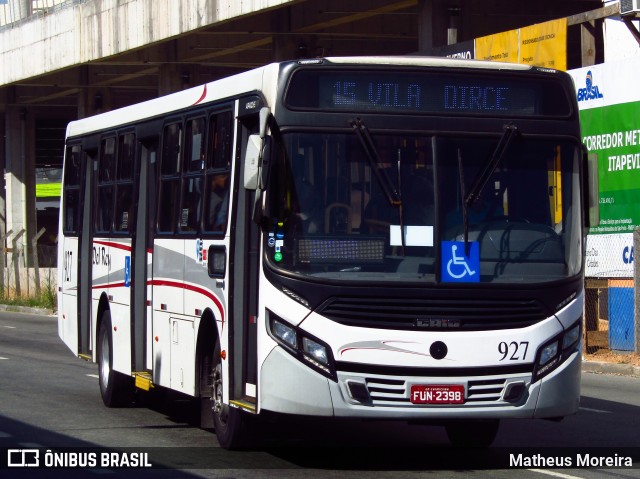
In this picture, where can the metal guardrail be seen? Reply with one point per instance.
(13, 12)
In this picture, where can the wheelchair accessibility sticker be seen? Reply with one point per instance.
(458, 267)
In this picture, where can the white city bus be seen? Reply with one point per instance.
(395, 238)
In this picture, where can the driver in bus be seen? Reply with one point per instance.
(414, 187)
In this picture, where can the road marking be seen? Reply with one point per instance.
(555, 474)
(9, 327)
(594, 410)
(1, 357)
(93, 376)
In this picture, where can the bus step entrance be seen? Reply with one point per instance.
(243, 404)
(143, 380)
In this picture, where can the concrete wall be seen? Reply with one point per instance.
(100, 28)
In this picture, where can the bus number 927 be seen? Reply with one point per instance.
(513, 351)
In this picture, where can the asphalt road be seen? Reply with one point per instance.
(50, 401)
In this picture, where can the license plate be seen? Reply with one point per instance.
(437, 394)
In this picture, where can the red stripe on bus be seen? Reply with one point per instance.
(203, 96)
(114, 245)
(108, 285)
(172, 284)
(196, 289)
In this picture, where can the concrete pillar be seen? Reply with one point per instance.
(287, 46)
(425, 30)
(3, 213)
(93, 101)
(20, 183)
(453, 30)
(436, 24)
(173, 78)
(4, 99)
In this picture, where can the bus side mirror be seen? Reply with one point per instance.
(256, 162)
(593, 187)
(252, 162)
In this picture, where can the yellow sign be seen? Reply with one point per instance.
(545, 44)
(501, 47)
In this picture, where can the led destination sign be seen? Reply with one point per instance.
(410, 96)
(475, 93)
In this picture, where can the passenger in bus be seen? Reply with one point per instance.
(218, 202)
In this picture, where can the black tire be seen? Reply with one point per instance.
(230, 423)
(473, 433)
(117, 389)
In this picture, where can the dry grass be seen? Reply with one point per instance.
(608, 356)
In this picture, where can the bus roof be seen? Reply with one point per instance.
(228, 87)
(426, 61)
(259, 79)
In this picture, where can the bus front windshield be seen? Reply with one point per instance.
(343, 207)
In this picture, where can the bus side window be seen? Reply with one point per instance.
(220, 128)
(218, 173)
(192, 192)
(106, 176)
(168, 205)
(72, 175)
(124, 183)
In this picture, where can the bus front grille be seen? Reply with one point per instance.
(433, 314)
(395, 392)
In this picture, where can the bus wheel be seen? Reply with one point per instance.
(229, 423)
(473, 433)
(116, 388)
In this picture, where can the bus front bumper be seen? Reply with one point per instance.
(288, 386)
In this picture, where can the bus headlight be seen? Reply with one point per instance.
(571, 337)
(549, 352)
(315, 351)
(304, 347)
(285, 333)
(554, 352)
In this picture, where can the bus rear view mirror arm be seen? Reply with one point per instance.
(255, 154)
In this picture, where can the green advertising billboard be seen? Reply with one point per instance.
(609, 102)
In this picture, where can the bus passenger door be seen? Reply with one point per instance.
(85, 260)
(244, 268)
(75, 323)
(85, 249)
(75, 200)
(141, 270)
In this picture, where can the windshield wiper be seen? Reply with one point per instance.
(393, 195)
(465, 219)
(371, 152)
(510, 132)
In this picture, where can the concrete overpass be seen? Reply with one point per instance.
(66, 59)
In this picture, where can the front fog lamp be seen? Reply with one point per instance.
(284, 333)
(315, 351)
